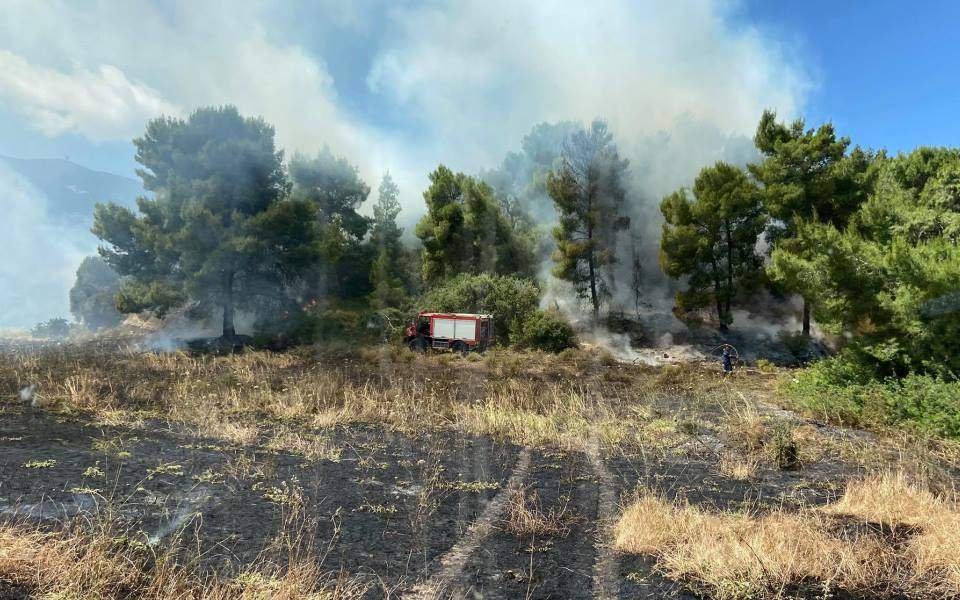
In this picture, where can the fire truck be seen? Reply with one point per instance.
(459, 332)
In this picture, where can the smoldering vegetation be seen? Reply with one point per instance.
(349, 248)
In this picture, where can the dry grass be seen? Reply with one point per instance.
(857, 544)
(738, 467)
(529, 398)
(892, 500)
(740, 556)
(527, 517)
(744, 427)
(312, 447)
(96, 564)
(565, 401)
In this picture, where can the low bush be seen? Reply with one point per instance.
(57, 329)
(546, 330)
(316, 322)
(840, 391)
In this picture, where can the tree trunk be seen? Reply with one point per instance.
(593, 289)
(229, 332)
(720, 313)
(593, 277)
(806, 318)
(729, 293)
(715, 272)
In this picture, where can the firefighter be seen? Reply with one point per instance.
(726, 358)
(411, 331)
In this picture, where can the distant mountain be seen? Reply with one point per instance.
(46, 207)
(72, 190)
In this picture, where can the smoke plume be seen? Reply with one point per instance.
(388, 85)
(40, 256)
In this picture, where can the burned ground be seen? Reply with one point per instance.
(470, 489)
(387, 506)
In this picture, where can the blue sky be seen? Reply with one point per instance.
(887, 73)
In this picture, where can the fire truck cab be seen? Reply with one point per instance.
(459, 332)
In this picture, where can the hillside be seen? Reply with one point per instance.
(72, 190)
(48, 210)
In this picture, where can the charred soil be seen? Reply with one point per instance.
(487, 484)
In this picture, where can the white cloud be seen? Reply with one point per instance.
(182, 54)
(100, 104)
(469, 77)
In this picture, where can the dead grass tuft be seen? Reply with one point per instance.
(740, 556)
(891, 500)
(312, 447)
(744, 426)
(94, 560)
(770, 555)
(527, 517)
(738, 467)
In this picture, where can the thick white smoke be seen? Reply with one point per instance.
(452, 81)
(462, 80)
(40, 256)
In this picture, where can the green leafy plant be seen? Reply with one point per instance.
(546, 330)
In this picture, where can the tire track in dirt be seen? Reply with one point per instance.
(606, 582)
(453, 562)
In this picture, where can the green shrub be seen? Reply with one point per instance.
(351, 321)
(932, 404)
(546, 330)
(339, 323)
(840, 390)
(57, 328)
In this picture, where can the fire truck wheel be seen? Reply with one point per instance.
(460, 348)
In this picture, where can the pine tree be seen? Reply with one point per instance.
(807, 176)
(465, 231)
(710, 239)
(589, 192)
(890, 278)
(334, 188)
(219, 231)
(387, 274)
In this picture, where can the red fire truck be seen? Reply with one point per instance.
(459, 332)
